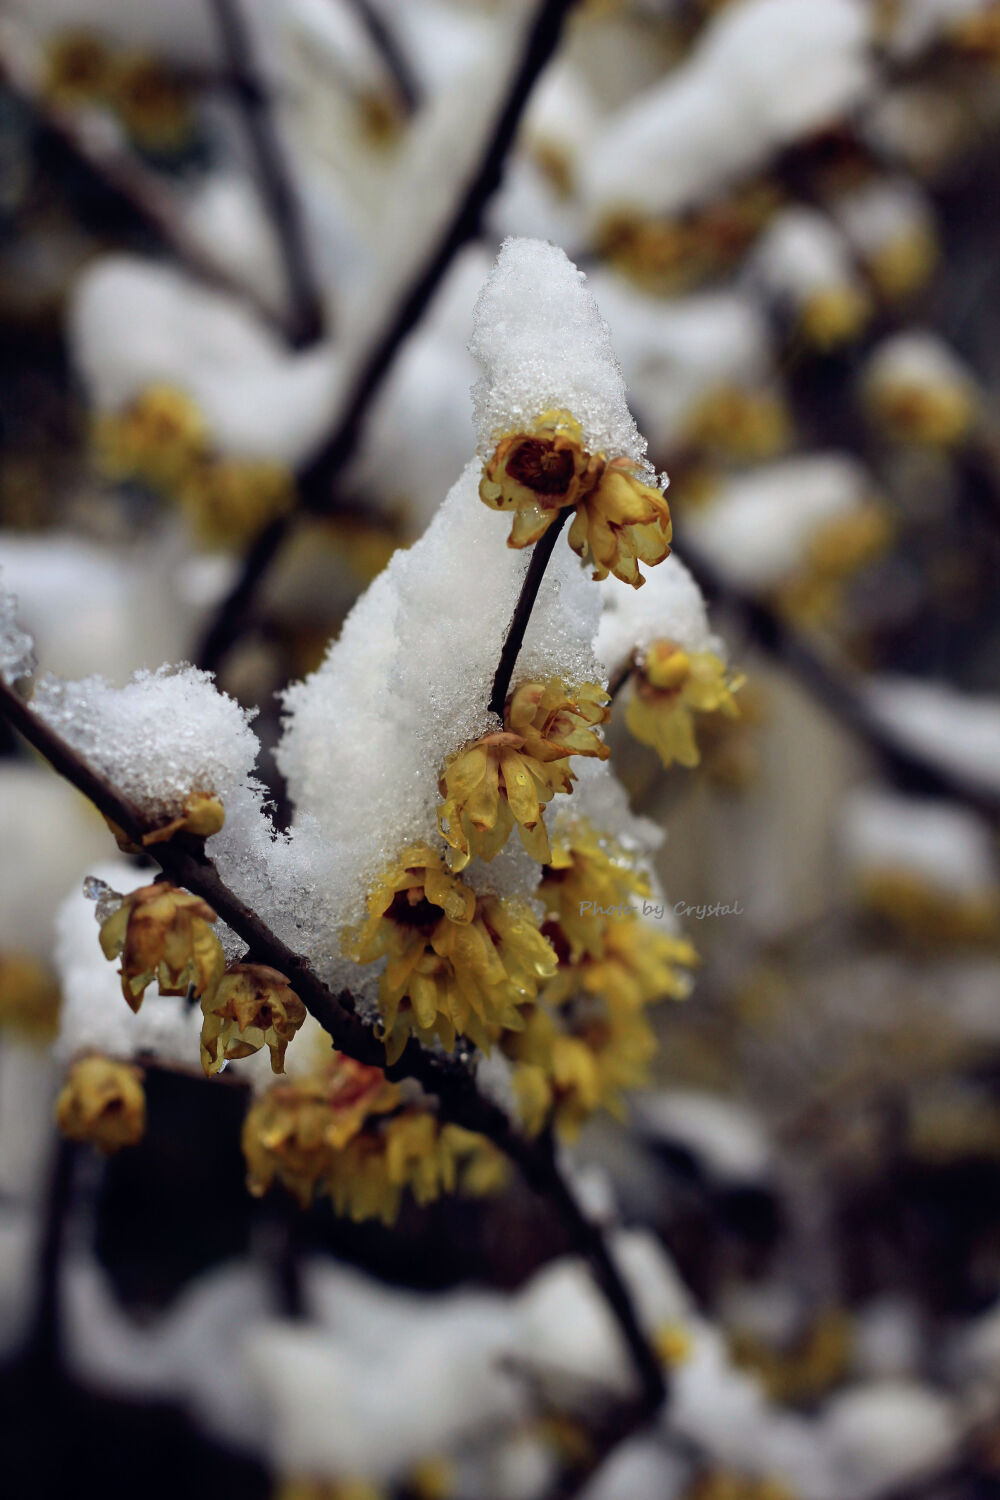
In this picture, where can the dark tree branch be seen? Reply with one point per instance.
(184, 861)
(136, 188)
(841, 693)
(318, 479)
(273, 173)
(514, 640)
(391, 53)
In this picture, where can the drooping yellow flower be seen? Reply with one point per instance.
(252, 1006)
(29, 997)
(556, 722)
(503, 780)
(619, 519)
(458, 964)
(639, 966)
(669, 687)
(489, 788)
(928, 915)
(345, 1133)
(568, 1074)
(293, 1132)
(834, 315)
(929, 414)
(77, 70)
(903, 263)
(102, 1103)
(163, 933)
(152, 103)
(588, 878)
(836, 552)
(156, 439)
(229, 500)
(739, 423)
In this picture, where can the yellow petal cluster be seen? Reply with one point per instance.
(734, 422)
(587, 875)
(458, 964)
(345, 1133)
(163, 933)
(152, 104)
(160, 440)
(252, 1006)
(619, 520)
(836, 552)
(29, 997)
(587, 1039)
(669, 687)
(503, 780)
(102, 1103)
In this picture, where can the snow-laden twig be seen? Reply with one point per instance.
(185, 862)
(317, 481)
(274, 175)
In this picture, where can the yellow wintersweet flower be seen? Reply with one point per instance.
(619, 520)
(156, 439)
(929, 915)
(229, 500)
(458, 964)
(834, 315)
(739, 423)
(302, 1487)
(163, 933)
(503, 780)
(294, 1132)
(202, 815)
(638, 966)
(152, 103)
(835, 553)
(940, 414)
(29, 997)
(671, 685)
(903, 263)
(102, 1103)
(567, 1075)
(77, 70)
(587, 876)
(252, 1006)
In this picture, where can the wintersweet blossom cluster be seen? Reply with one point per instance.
(398, 876)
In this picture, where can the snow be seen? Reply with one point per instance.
(543, 345)
(764, 73)
(954, 729)
(757, 529)
(670, 607)
(944, 843)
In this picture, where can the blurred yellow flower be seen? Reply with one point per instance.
(29, 997)
(586, 876)
(102, 1103)
(669, 687)
(77, 70)
(155, 439)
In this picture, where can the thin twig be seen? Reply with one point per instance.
(392, 54)
(123, 176)
(273, 173)
(540, 554)
(317, 481)
(184, 861)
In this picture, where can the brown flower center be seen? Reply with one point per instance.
(412, 909)
(541, 467)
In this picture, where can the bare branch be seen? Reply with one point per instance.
(184, 861)
(318, 480)
(273, 172)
